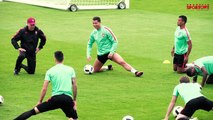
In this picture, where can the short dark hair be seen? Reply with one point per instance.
(96, 18)
(184, 18)
(59, 56)
(189, 72)
(184, 79)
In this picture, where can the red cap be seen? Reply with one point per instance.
(31, 21)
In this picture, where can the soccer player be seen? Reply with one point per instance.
(29, 37)
(194, 100)
(107, 45)
(202, 67)
(64, 91)
(182, 45)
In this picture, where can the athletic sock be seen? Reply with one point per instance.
(105, 68)
(26, 115)
(133, 70)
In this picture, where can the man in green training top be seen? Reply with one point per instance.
(194, 100)
(182, 46)
(64, 91)
(107, 45)
(202, 67)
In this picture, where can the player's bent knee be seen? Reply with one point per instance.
(36, 110)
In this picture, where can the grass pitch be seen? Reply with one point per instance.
(146, 36)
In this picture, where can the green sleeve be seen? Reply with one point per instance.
(175, 91)
(47, 76)
(73, 73)
(187, 35)
(114, 41)
(89, 45)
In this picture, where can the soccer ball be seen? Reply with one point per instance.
(128, 117)
(88, 69)
(177, 110)
(1, 100)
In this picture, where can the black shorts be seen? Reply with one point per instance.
(195, 104)
(103, 58)
(179, 60)
(63, 102)
(210, 79)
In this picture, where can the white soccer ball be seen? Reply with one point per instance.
(128, 117)
(88, 69)
(177, 110)
(1, 100)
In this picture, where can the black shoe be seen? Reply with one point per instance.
(110, 67)
(138, 74)
(16, 72)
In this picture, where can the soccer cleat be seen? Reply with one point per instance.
(138, 73)
(110, 67)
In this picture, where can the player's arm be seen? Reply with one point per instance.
(43, 91)
(172, 51)
(189, 49)
(114, 41)
(195, 79)
(205, 74)
(89, 47)
(74, 89)
(42, 40)
(15, 40)
(171, 106)
(189, 42)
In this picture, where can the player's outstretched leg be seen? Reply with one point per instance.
(26, 115)
(119, 60)
(98, 66)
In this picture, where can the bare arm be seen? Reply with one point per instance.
(74, 89)
(189, 51)
(172, 51)
(194, 79)
(171, 106)
(205, 74)
(189, 47)
(43, 91)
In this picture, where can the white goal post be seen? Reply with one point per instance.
(74, 5)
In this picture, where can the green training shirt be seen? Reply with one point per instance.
(188, 91)
(206, 62)
(105, 39)
(61, 76)
(182, 37)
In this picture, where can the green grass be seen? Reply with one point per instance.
(145, 33)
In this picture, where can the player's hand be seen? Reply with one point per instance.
(38, 104)
(75, 105)
(165, 118)
(172, 53)
(21, 50)
(37, 50)
(89, 59)
(110, 56)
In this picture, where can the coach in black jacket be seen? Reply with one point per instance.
(29, 37)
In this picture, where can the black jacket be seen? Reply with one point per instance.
(29, 39)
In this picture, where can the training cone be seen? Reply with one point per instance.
(166, 62)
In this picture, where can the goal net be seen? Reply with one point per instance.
(74, 5)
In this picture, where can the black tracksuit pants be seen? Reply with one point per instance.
(31, 62)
